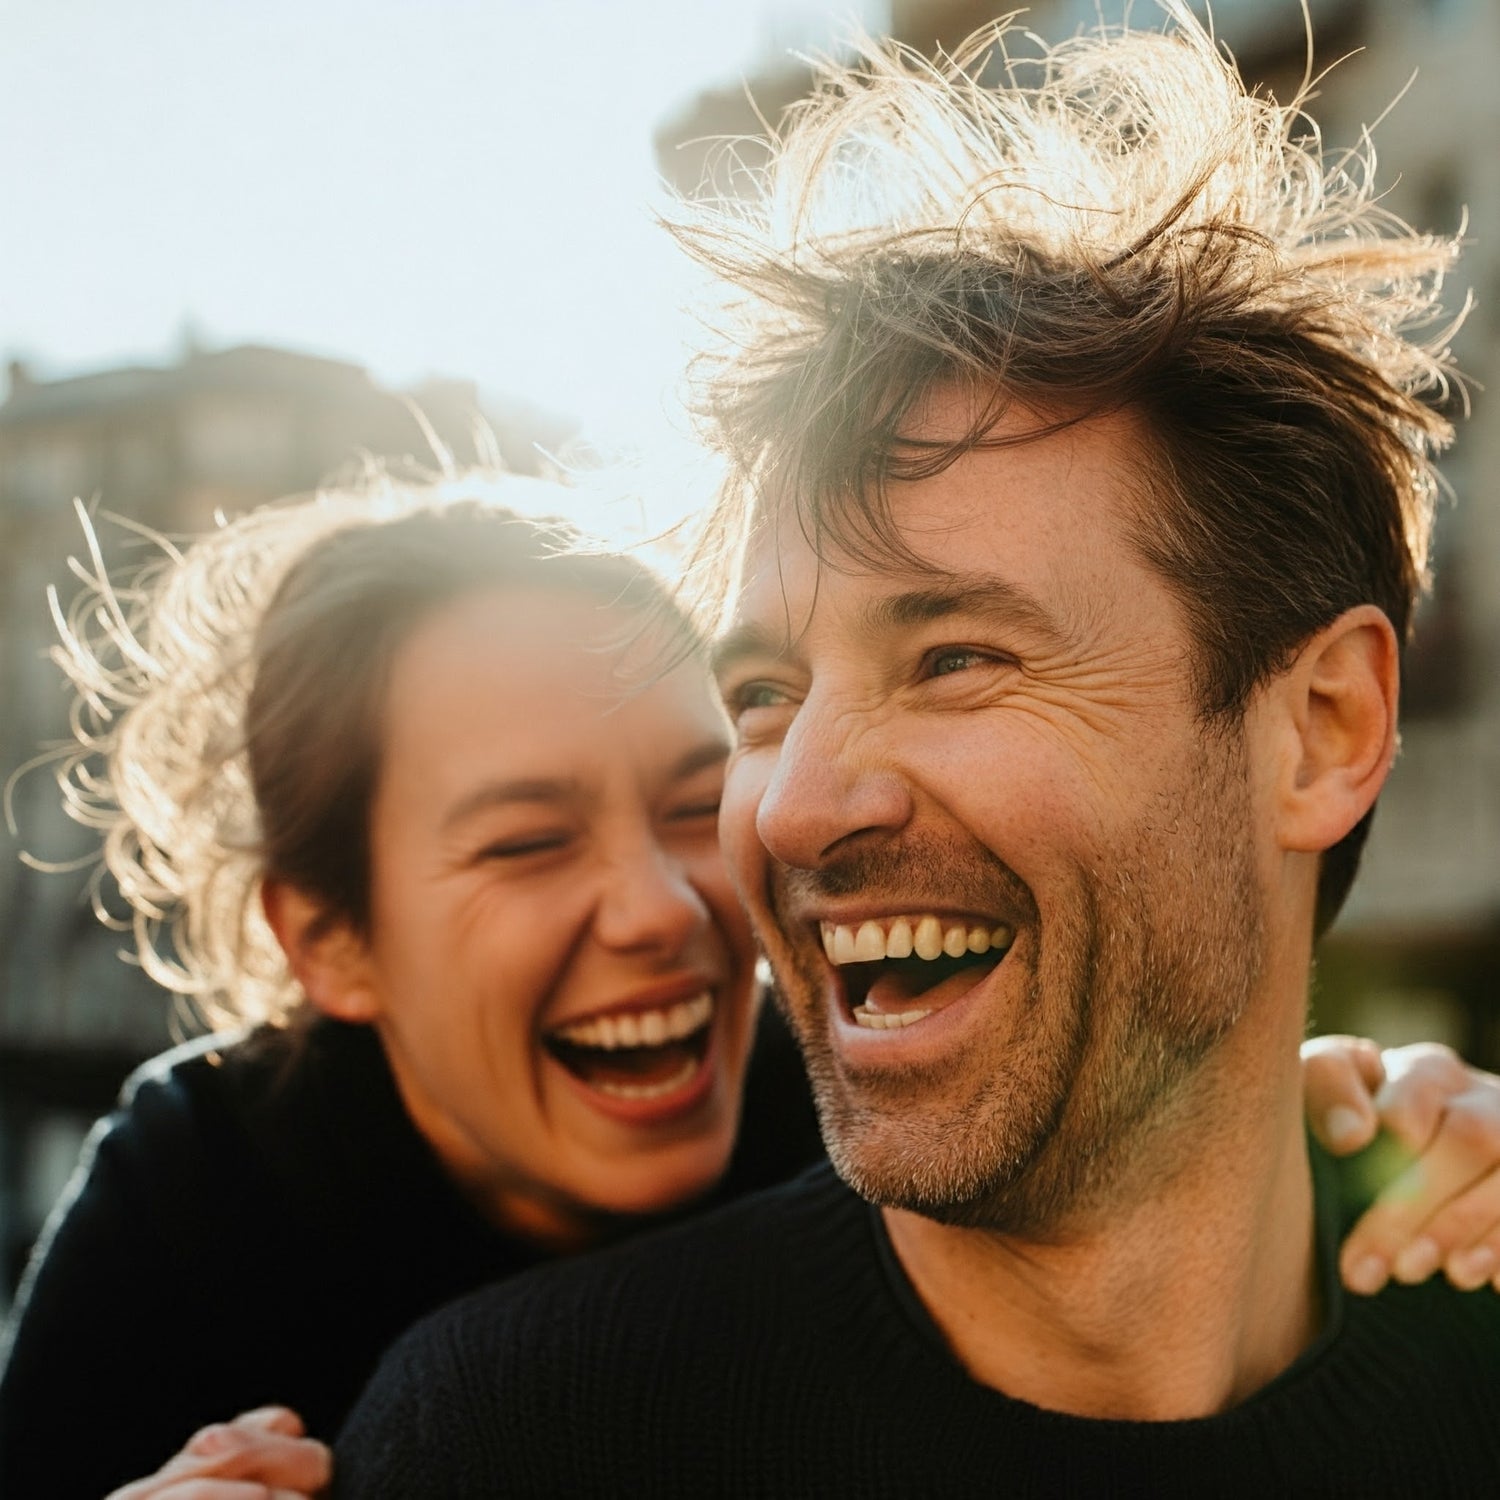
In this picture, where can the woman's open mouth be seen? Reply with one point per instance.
(638, 1054)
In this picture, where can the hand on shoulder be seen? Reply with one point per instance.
(259, 1453)
(1441, 1211)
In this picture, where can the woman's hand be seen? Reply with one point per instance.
(260, 1454)
(1442, 1210)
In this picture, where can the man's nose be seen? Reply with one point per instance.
(649, 902)
(832, 787)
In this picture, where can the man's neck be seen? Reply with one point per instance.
(1178, 1301)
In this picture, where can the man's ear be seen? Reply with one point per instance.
(1340, 700)
(327, 956)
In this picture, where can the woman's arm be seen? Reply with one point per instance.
(157, 1300)
(1442, 1211)
(259, 1451)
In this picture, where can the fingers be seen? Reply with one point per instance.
(225, 1436)
(1422, 1082)
(1442, 1211)
(1340, 1075)
(204, 1489)
(1463, 1238)
(259, 1453)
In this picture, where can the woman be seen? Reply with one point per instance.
(430, 798)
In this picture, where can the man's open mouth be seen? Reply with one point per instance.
(638, 1054)
(899, 970)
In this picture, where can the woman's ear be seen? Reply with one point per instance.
(1340, 700)
(329, 959)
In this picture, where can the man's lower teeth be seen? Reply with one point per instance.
(649, 1090)
(878, 1020)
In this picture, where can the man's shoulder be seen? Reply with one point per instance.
(721, 1260)
(644, 1343)
(1434, 1328)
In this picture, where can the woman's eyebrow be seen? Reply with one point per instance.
(712, 752)
(555, 789)
(505, 793)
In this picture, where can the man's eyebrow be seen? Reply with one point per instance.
(995, 599)
(980, 594)
(741, 642)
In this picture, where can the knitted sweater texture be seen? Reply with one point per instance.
(776, 1349)
(255, 1224)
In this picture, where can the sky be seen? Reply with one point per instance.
(449, 187)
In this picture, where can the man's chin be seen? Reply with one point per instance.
(894, 1168)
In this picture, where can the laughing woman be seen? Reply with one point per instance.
(426, 799)
(439, 835)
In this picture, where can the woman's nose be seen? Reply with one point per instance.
(650, 902)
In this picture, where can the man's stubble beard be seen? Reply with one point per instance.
(1134, 981)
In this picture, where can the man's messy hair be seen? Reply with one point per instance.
(1112, 222)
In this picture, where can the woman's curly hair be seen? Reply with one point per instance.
(228, 698)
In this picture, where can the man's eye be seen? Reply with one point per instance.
(949, 659)
(752, 695)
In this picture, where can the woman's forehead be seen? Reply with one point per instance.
(540, 683)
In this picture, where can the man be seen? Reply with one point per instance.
(1082, 497)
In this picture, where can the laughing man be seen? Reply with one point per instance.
(1083, 494)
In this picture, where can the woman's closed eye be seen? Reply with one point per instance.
(699, 807)
(519, 846)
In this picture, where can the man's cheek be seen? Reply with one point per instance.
(744, 785)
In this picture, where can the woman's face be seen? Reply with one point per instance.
(557, 965)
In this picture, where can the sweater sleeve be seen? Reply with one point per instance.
(104, 1377)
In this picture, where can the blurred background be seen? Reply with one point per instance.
(240, 246)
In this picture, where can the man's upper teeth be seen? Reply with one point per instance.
(641, 1028)
(927, 937)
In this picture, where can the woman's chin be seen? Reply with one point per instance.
(665, 1180)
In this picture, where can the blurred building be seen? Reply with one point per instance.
(1417, 954)
(168, 447)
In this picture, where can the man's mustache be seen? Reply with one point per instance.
(914, 875)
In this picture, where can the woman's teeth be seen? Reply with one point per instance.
(657, 1090)
(638, 1054)
(641, 1028)
(926, 937)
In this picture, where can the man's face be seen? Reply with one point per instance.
(1006, 880)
